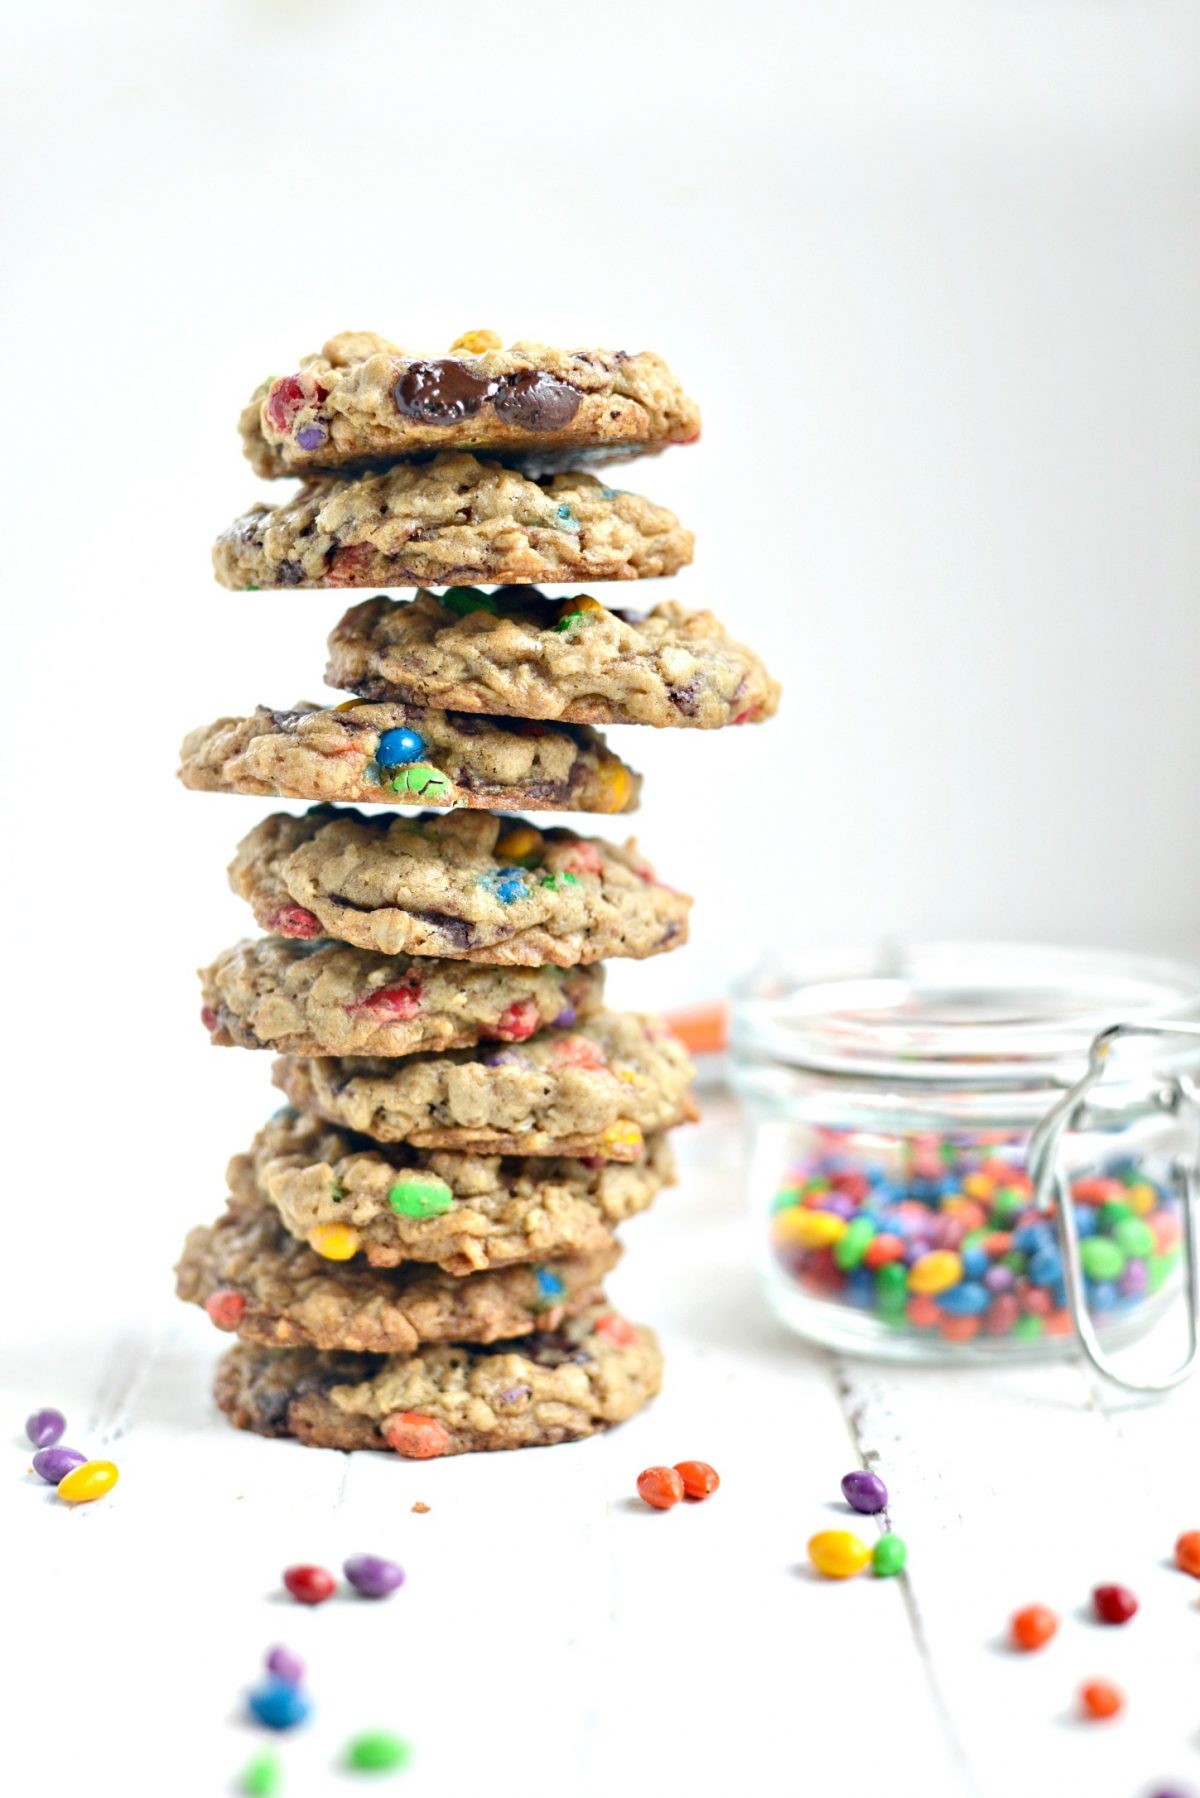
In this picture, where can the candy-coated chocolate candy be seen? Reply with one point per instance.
(420, 1195)
(474, 343)
(277, 1705)
(1133, 1236)
(889, 1556)
(377, 1751)
(416, 1435)
(336, 1242)
(91, 1480)
(398, 746)
(970, 1298)
(623, 1136)
(45, 1427)
(959, 1329)
(922, 1311)
(518, 843)
(295, 921)
(390, 1004)
(837, 1553)
(281, 1663)
(864, 1491)
(373, 1576)
(462, 600)
(935, 1273)
(226, 1308)
(616, 1329)
(851, 1246)
(422, 781)
(882, 1250)
(54, 1464)
(699, 1479)
(1033, 1627)
(813, 1229)
(308, 1584)
(261, 1777)
(1101, 1699)
(661, 1487)
(1114, 1604)
(1187, 1552)
(518, 1021)
(1101, 1258)
(616, 784)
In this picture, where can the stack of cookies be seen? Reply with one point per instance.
(414, 1250)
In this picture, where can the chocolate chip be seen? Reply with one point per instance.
(456, 929)
(684, 698)
(536, 401)
(289, 574)
(439, 393)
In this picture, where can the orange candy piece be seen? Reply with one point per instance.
(1100, 1698)
(661, 1487)
(1187, 1553)
(1033, 1627)
(416, 1435)
(699, 1479)
(959, 1329)
(616, 1329)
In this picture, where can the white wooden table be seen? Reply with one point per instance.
(555, 1635)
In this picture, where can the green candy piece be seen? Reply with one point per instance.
(1006, 1200)
(784, 1199)
(973, 1238)
(422, 780)
(261, 1777)
(1102, 1258)
(889, 1556)
(556, 882)
(1157, 1269)
(1014, 1260)
(377, 1751)
(891, 1289)
(564, 624)
(421, 1195)
(462, 600)
(1027, 1328)
(1135, 1237)
(851, 1245)
(1113, 1213)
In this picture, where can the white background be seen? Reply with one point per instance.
(933, 273)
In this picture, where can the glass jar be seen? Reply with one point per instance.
(890, 1108)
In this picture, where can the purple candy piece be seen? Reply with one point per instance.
(45, 1427)
(372, 1575)
(864, 1491)
(311, 436)
(1132, 1283)
(837, 1203)
(501, 1058)
(565, 1018)
(999, 1278)
(53, 1464)
(513, 1394)
(285, 1665)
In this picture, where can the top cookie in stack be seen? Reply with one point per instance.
(468, 1123)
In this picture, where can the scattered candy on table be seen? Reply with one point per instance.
(377, 1751)
(1100, 1698)
(308, 1584)
(865, 1491)
(1187, 1553)
(373, 1576)
(283, 1664)
(53, 1464)
(699, 1479)
(661, 1487)
(262, 1777)
(277, 1704)
(1034, 1626)
(838, 1554)
(1114, 1604)
(889, 1556)
(45, 1427)
(89, 1481)
(939, 1234)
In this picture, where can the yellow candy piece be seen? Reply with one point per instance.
(617, 786)
(523, 839)
(1143, 1199)
(936, 1272)
(475, 342)
(838, 1554)
(810, 1229)
(92, 1480)
(978, 1186)
(623, 1136)
(337, 1242)
(583, 604)
(347, 705)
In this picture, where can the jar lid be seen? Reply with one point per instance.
(962, 1013)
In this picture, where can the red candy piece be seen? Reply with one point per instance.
(1114, 1604)
(883, 1249)
(394, 1004)
(226, 1308)
(699, 1479)
(585, 859)
(208, 1017)
(1187, 1553)
(308, 1585)
(295, 921)
(1033, 1627)
(615, 1329)
(518, 1021)
(416, 1435)
(1001, 1314)
(661, 1487)
(1100, 1698)
(284, 401)
(347, 564)
(958, 1329)
(579, 1052)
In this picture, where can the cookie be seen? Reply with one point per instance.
(403, 755)
(466, 885)
(322, 998)
(363, 400)
(451, 520)
(463, 1212)
(519, 654)
(594, 1090)
(254, 1277)
(597, 1370)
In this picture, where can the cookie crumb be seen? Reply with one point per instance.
(421, 1506)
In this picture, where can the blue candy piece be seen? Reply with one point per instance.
(549, 1284)
(278, 1705)
(967, 1299)
(567, 518)
(1032, 1237)
(398, 746)
(1085, 1221)
(1045, 1268)
(508, 884)
(975, 1263)
(1102, 1295)
(860, 1289)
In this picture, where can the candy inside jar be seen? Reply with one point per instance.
(890, 1111)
